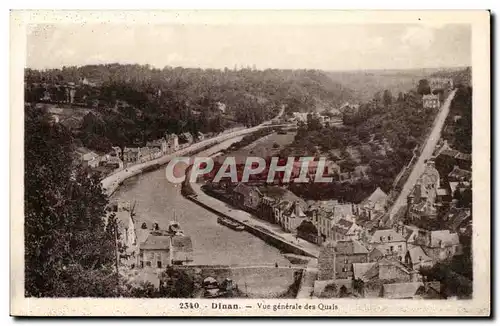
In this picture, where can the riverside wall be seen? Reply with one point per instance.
(269, 238)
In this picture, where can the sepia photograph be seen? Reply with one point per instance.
(251, 166)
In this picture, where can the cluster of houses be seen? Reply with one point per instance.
(433, 101)
(440, 195)
(353, 247)
(145, 245)
(441, 83)
(380, 262)
(333, 119)
(117, 159)
(356, 248)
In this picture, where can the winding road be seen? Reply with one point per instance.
(426, 153)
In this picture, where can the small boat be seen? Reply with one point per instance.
(230, 224)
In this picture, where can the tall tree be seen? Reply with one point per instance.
(67, 249)
(387, 98)
(423, 87)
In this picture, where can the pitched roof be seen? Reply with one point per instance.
(449, 152)
(156, 242)
(443, 238)
(360, 269)
(326, 205)
(376, 254)
(463, 156)
(458, 217)
(401, 290)
(459, 173)
(282, 194)
(342, 210)
(417, 255)
(350, 247)
(374, 271)
(245, 190)
(294, 210)
(343, 226)
(376, 197)
(388, 235)
(182, 243)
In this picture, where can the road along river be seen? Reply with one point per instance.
(158, 200)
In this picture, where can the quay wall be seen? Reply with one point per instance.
(269, 238)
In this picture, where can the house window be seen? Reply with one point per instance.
(148, 264)
(158, 264)
(400, 247)
(142, 264)
(346, 261)
(392, 248)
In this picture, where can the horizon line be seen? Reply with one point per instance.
(248, 67)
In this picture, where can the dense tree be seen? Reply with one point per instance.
(68, 251)
(423, 87)
(387, 98)
(400, 97)
(137, 103)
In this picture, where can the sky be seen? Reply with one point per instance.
(326, 47)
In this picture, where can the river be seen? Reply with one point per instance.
(157, 200)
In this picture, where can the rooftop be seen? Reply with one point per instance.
(350, 247)
(388, 235)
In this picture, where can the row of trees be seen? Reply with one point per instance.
(459, 130)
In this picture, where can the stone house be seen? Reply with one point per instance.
(373, 205)
(336, 259)
(441, 83)
(386, 269)
(423, 198)
(416, 258)
(345, 229)
(308, 231)
(131, 155)
(438, 245)
(431, 101)
(247, 197)
(172, 143)
(155, 252)
(292, 217)
(161, 144)
(327, 219)
(389, 242)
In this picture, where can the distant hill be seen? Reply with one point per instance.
(365, 83)
(461, 76)
(137, 103)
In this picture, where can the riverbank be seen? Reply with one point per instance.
(111, 183)
(286, 242)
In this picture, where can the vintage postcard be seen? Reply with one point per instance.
(250, 163)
